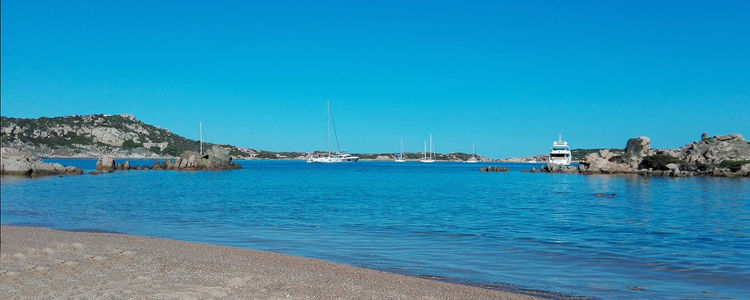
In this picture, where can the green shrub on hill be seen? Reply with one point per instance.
(130, 145)
(733, 165)
(266, 155)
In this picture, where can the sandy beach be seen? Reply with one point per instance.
(44, 263)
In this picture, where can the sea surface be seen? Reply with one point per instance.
(656, 238)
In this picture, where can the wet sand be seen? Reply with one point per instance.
(44, 263)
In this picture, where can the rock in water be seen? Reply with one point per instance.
(605, 194)
(16, 162)
(635, 150)
(192, 161)
(106, 163)
(183, 163)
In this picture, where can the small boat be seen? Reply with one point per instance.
(431, 157)
(400, 158)
(333, 157)
(473, 158)
(560, 153)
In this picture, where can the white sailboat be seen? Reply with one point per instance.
(337, 157)
(431, 157)
(400, 158)
(473, 158)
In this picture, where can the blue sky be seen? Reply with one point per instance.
(506, 76)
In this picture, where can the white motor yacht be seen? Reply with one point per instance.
(560, 153)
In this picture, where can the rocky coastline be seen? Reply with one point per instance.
(718, 156)
(14, 162)
(20, 163)
(216, 158)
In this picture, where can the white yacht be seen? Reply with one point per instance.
(473, 158)
(400, 158)
(333, 157)
(431, 157)
(560, 153)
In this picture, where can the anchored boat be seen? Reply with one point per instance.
(333, 157)
(560, 153)
(431, 157)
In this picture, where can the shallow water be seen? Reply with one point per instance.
(657, 238)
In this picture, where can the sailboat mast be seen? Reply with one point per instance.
(432, 152)
(402, 148)
(200, 126)
(329, 128)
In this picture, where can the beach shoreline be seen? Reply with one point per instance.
(38, 262)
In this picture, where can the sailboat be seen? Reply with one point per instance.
(400, 158)
(338, 156)
(473, 158)
(431, 157)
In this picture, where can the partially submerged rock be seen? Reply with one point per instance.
(106, 164)
(553, 168)
(19, 163)
(494, 169)
(216, 158)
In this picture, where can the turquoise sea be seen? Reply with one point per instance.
(657, 238)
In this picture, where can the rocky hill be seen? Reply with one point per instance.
(97, 135)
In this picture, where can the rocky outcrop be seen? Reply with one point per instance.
(635, 150)
(19, 163)
(605, 162)
(714, 150)
(494, 169)
(105, 164)
(216, 158)
(552, 168)
(726, 156)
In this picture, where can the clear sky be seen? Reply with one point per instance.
(506, 76)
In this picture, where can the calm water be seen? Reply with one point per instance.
(658, 238)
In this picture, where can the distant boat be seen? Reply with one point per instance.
(560, 153)
(473, 158)
(425, 157)
(337, 157)
(400, 158)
